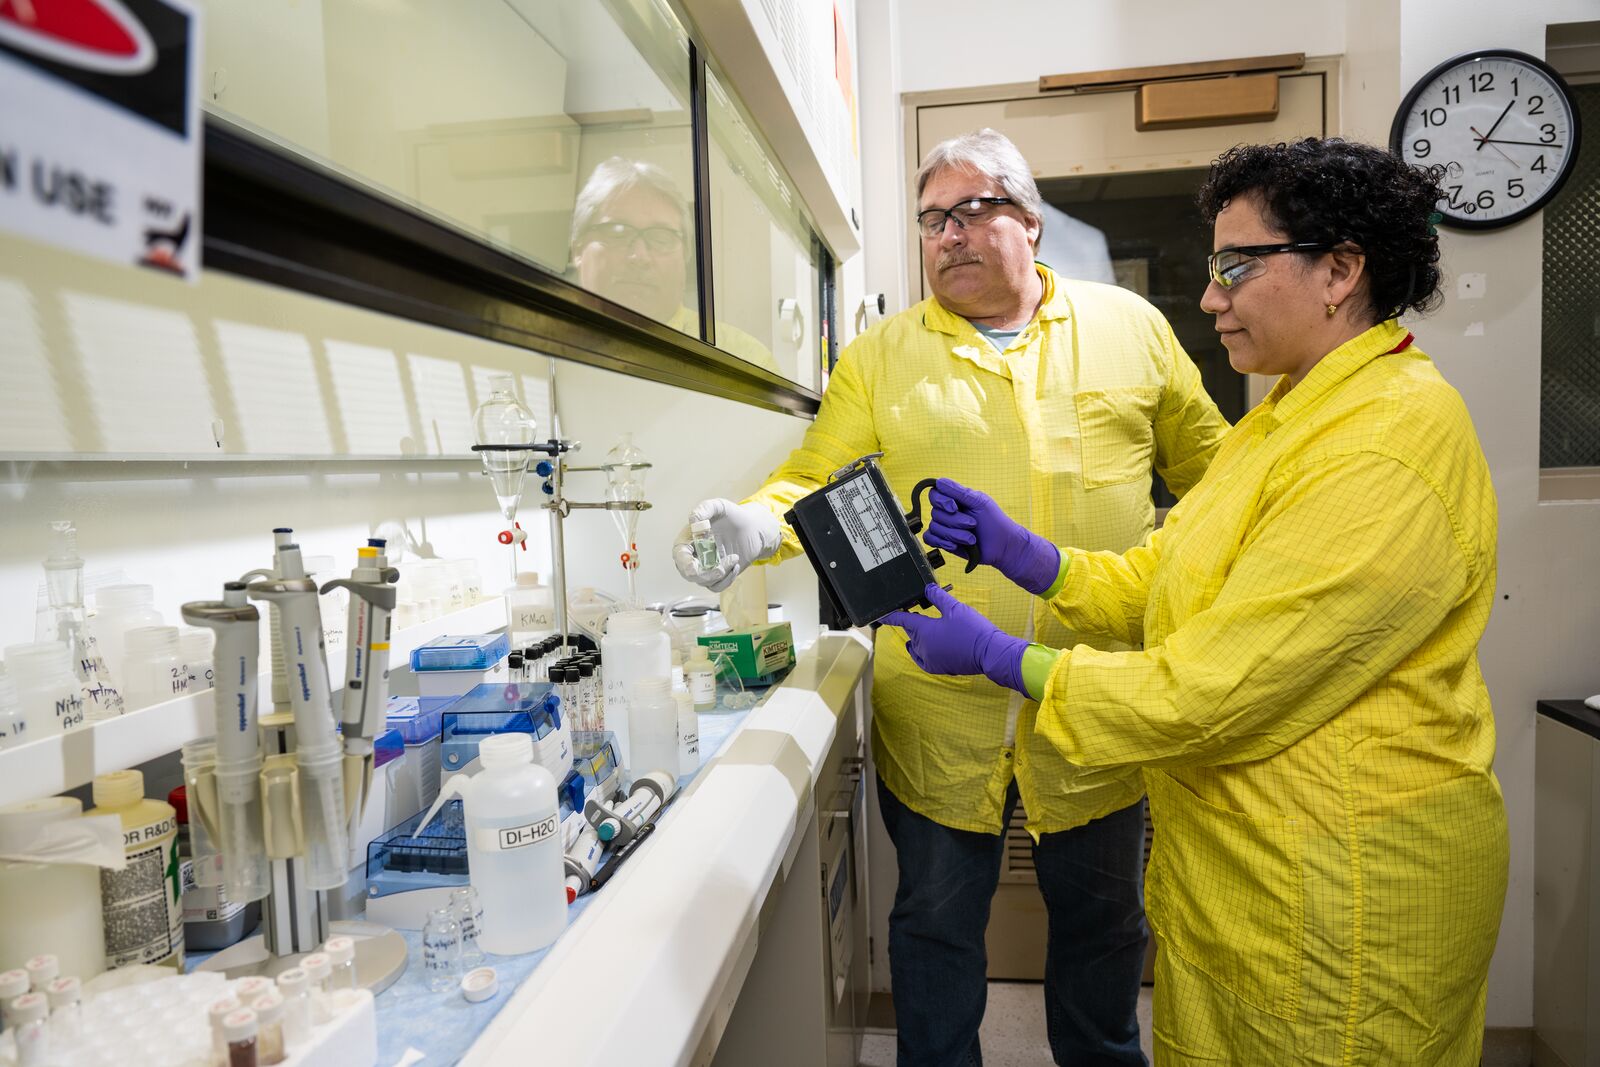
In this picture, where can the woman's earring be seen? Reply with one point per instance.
(1332, 310)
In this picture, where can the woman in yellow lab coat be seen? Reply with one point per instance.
(1330, 850)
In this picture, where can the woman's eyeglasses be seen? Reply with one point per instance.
(1230, 266)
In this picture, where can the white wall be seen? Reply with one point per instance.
(947, 44)
(1540, 641)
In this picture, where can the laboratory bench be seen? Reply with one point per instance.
(734, 934)
(1566, 914)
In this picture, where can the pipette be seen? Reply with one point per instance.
(581, 858)
(650, 793)
(366, 673)
(236, 816)
(317, 753)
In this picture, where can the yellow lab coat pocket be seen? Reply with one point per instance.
(1117, 434)
(1225, 894)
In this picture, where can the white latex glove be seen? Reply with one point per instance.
(745, 533)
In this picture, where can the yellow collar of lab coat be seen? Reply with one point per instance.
(970, 345)
(1286, 401)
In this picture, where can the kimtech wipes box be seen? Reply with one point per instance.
(756, 652)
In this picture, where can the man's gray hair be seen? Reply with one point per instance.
(618, 175)
(991, 153)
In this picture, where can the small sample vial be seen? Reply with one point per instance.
(239, 1029)
(216, 1014)
(270, 1047)
(514, 669)
(318, 969)
(294, 985)
(12, 985)
(26, 1019)
(66, 1010)
(589, 698)
(441, 950)
(469, 913)
(704, 545)
(341, 953)
(42, 970)
(247, 989)
(701, 677)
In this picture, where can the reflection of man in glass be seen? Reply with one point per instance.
(631, 234)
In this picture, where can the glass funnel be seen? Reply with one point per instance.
(504, 420)
(625, 466)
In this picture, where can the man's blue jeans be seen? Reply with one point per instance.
(1092, 881)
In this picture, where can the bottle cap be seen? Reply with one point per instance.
(12, 985)
(585, 669)
(269, 1006)
(119, 597)
(38, 662)
(699, 659)
(239, 1025)
(479, 984)
(64, 991)
(528, 578)
(514, 661)
(219, 1010)
(29, 1007)
(505, 750)
(294, 981)
(340, 949)
(42, 969)
(152, 641)
(700, 526)
(317, 966)
(652, 689)
(250, 987)
(118, 789)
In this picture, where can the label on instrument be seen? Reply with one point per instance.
(867, 523)
(506, 838)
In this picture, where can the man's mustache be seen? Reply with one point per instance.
(956, 259)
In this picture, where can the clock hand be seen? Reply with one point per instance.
(1484, 137)
(1483, 140)
(1532, 144)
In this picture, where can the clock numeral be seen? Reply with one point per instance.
(1547, 133)
(1434, 116)
(1486, 200)
(1452, 94)
(1455, 195)
(1422, 148)
(1536, 105)
(1513, 88)
(1482, 83)
(1539, 165)
(1514, 187)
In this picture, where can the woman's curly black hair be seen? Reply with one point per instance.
(1329, 190)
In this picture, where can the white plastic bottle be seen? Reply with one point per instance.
(198, 647)
(48, 907)
(120, 608)
(636, 646)
(13, 720)
(513, 828)
(688, 733)
(653, 719)
(140, 904)
(153, 671)
(530, 610)
(48, 693)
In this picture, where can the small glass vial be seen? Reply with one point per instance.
(239, 1029)
(514, 669)
(469, 913)
(318, 969)
(589, 698)
(704, 544)
(294, 985)
(42, 970)
(216, 1014)
(12, 985)
(66, 1010)
(701, 677)
(270, 1046)
(26, 1019)
(441, 950)
(564, 694)
(247, 989)
(341, 953)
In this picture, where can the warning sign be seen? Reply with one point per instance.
(867, 523)
(100, 140)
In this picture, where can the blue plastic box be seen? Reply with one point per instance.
(461, 652)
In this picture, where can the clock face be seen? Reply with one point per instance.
(1502, 125)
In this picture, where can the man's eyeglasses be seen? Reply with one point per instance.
(974, 212)
(1230, 266)
(619, 235)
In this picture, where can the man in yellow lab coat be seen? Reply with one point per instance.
(1057, 397)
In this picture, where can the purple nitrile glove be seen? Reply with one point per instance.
(971, 525)
(961, 641)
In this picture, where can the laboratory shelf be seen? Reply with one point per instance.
(55, 764)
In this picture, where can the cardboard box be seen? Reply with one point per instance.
(755, 652)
